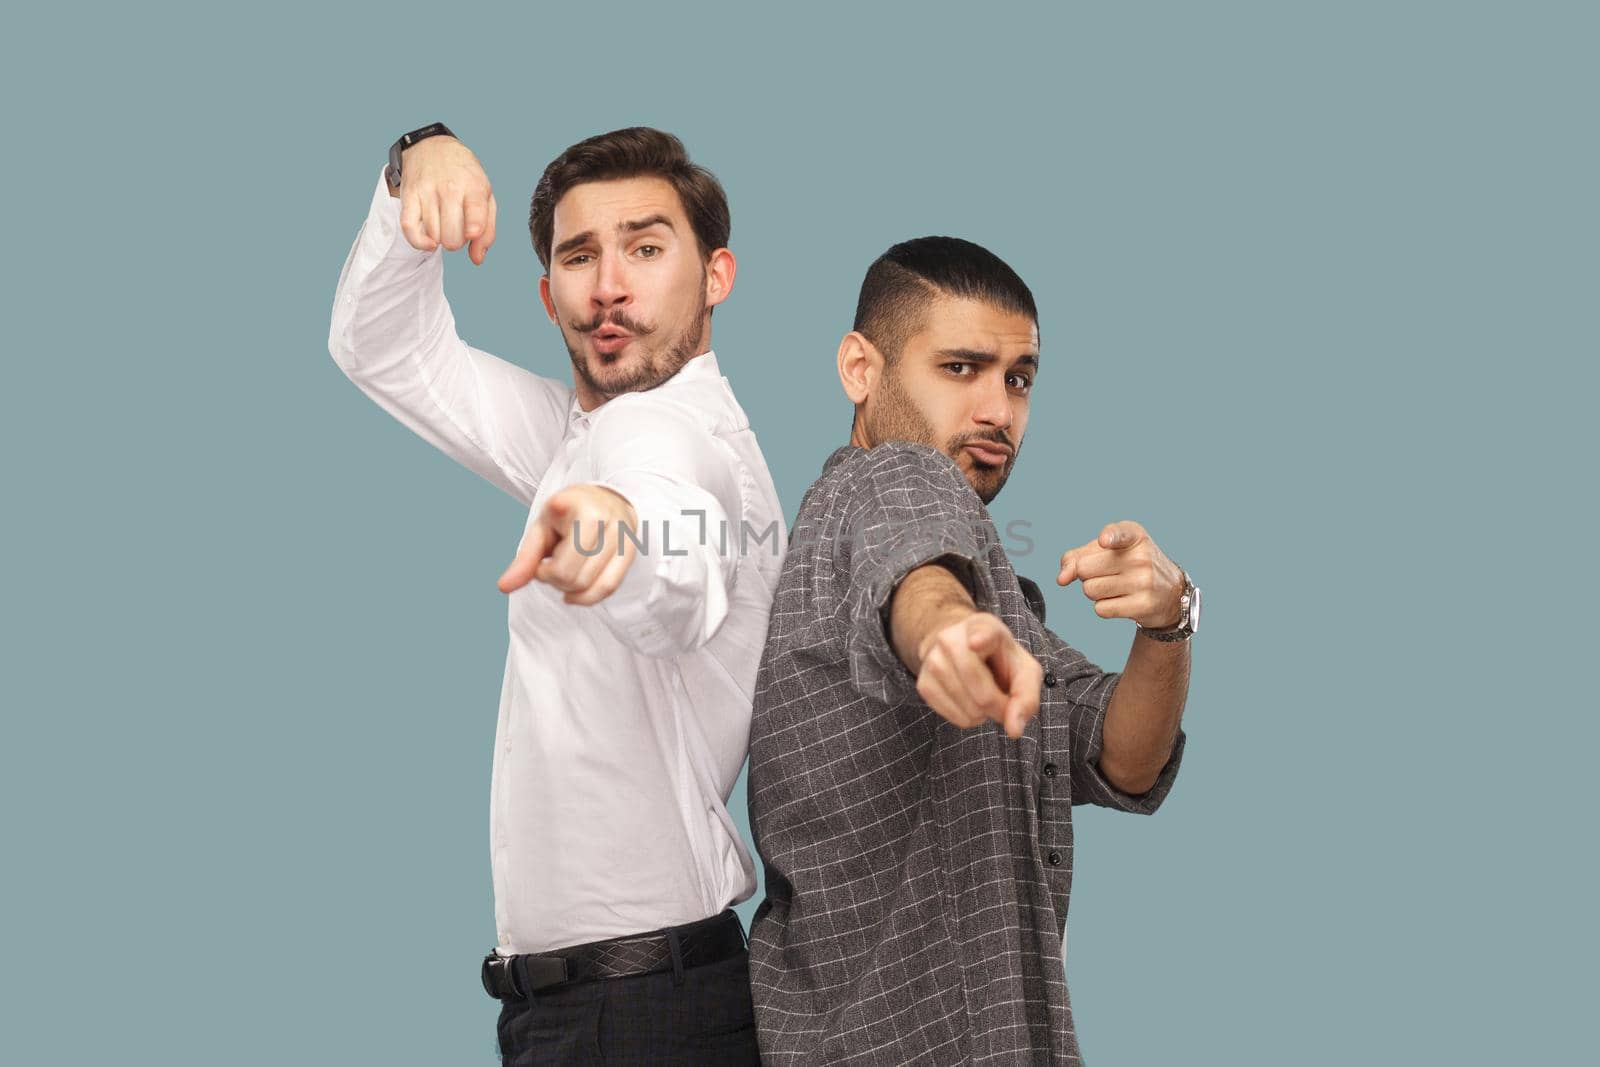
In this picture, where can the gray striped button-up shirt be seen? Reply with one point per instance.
(917, 874)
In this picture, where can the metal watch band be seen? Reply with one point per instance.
(1188, 624)
(391, 173)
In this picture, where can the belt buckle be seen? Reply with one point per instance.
(495, 962)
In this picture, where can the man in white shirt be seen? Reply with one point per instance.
(638, 598)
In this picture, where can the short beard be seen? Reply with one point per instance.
(897, 418)
(650, 371)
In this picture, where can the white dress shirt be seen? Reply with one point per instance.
(623, 725)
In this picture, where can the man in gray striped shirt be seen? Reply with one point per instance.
(919, 736)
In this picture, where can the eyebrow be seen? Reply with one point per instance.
(979, 355)
(631, 226)
(644, 224)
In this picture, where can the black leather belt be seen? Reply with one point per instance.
(677, 947)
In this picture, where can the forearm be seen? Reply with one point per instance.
(389, 309)
(927, 599)
(394, 336)
(1144, 714)
(678, 590)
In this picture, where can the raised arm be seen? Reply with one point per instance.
(394, 336)
(1127, 576)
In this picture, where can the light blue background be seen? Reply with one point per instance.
(1317, 289)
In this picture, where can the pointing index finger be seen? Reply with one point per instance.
(1121, 535)
(1069, 562)
(533, 549)
(1023, 699)
(480, 229)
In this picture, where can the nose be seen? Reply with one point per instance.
(611, 287)
(993, 403)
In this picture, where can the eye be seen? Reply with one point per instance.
(578, 260)
(959, 369)
(649, 251)
(1020, 382)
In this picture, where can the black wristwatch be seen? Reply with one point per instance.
(391, 173)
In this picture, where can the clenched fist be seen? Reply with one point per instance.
(973, 671)
(574, 545)
(1127, 577)
(445, 198)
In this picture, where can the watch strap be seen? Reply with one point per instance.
(1188, 624)
(391, 173)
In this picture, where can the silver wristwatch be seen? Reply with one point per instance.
(1188, 622)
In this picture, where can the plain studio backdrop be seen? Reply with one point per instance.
(1317, 289)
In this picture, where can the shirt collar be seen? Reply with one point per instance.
(840, 454)
(701, 366)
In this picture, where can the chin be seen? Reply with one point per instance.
(617, 365)
(601, 359)
(987, 482)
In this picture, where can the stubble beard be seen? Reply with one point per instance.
(897, 418)
(654, 365)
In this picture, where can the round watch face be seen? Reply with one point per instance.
(1194, 611)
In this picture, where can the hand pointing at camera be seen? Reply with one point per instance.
(1126, 576)
(576, 545)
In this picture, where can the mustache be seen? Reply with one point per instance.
(997, 437)
(617, 318)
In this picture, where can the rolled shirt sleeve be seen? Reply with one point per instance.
(1086, 692)
(916, 507)
(687, 489)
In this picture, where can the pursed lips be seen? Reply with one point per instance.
(609, 339)
(988, 452)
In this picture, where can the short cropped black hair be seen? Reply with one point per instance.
(903, 281)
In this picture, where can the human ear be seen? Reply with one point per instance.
(544, 296)
(720, 269)
(860, 366)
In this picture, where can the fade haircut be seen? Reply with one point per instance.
(635, 152)
(904, 281)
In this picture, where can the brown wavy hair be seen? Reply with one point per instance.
(637, 151)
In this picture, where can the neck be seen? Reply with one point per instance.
(858, 434)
